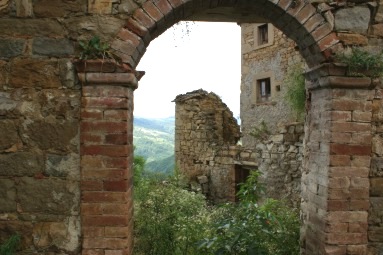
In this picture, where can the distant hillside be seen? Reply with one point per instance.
(154, 140)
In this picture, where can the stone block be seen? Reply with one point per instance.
(8, 135)
(48, 196)
(376, 189)
(34, 73)
(376, 167)
(20, 164)
(354, 19)
(52, 47)
(34, 27)
(58, 8)
(100, 6)
(377, 29)
(24, 8)
(4, 4)
(7, 196)
(376, 211)
(11, 48)
(52, 136)
(63, 166)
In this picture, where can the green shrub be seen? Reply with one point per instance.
(362, 62)
(9, 246)
(169, 220)
(296, 92)
(261, 133)
(250, 228)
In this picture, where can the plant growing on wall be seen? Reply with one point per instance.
(296, 93)
(9, 246)
(95, 49)
(362, 62)
(261, 133)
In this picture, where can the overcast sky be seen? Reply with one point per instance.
(208, 57)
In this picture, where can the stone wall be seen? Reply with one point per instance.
(272, 60)
(203, 126)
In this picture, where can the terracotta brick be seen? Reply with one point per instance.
(175, 3)
(115, 115)
(357, 250)
(361, 116)
(106, 150)
(340, 160)
(358, 227)
(164, 6)
(152, 11)
(144, 19)
(106, 91)
(109, 174)
(338, 194)
(91, 185)
(103, 197)
(335, 250)
(348, 172)
(105, 220)
(338, 205)
(140, 30)
(117, 231)
(118, 252)
(284, 4)
(347, 238)
(105, 243)
(87, 138)
(347, 216)
(116, 185)
(92, 252)
(351, 105)
(104, 126)
(339, 182)
(321, 31)
(340, 137)
(359, 205)
(313, 22)
(117, 139)
(93, 231)
(341, 116)
(361, 161)
(116, 209)
(105, 102)
(328, 41)
(305, 13)
(352, 39)
(350, 127)
(91, 209)
(358, 182)
(91, 161)
(127, 35)
(91, 114)
(337, 227)
(116, 162)
(349, 149)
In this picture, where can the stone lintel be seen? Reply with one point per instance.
(122, 79)
(343, 82)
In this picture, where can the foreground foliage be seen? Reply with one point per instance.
(296, 91)
(9, 246)
(170, 220)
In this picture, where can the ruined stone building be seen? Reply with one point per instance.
(266, 55)
(66, 146)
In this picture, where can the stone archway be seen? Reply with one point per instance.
(343, 165)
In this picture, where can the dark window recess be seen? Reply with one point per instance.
(264, 89)
(263, 34)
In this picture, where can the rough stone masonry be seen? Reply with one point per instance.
(66, 139)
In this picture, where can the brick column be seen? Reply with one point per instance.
(106, 161)
(335, 182)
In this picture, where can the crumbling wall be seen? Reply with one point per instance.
(204, 124)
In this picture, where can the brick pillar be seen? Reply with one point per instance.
(335, 182)
(106, 161)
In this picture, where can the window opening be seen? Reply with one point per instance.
(263, 34)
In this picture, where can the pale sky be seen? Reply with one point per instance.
(209, 57)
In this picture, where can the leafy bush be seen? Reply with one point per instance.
(296, 91)
(95, 49)
(169, 220)
(362, 62)
(9, 246)
(249, 228)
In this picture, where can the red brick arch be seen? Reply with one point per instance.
(296, 18)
